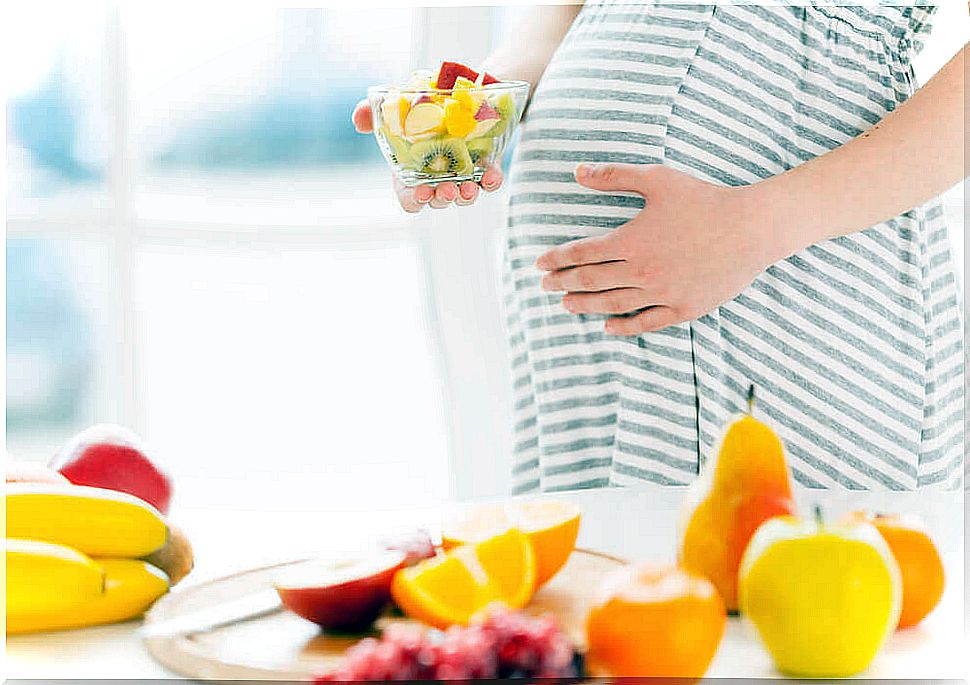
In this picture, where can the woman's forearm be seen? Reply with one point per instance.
(912, 155)
(530, 44)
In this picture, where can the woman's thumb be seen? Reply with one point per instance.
(362, 117)
(611, 176)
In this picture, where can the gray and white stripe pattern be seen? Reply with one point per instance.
(855, 344)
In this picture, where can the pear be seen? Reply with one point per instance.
(747, 484)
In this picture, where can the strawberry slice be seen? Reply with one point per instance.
(449, 72)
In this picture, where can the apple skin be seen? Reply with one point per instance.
(424, 118)
(112, 457)
(350, 606)
(486, 112)
(449, 72)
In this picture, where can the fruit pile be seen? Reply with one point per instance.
(85, 543)
(494, 560)
(501, 644)
(447, 125)
(823, 596)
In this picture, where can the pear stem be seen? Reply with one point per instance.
(750, 399)
(818, 515)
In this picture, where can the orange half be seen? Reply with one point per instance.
(451, 588)
(552, 527)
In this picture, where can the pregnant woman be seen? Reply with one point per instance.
(706, 197)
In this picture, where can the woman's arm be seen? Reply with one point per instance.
(527, 49)
(911, 156)
(696, 245)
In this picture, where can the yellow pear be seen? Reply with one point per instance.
(747, 484)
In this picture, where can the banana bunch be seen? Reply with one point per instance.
(76, 556)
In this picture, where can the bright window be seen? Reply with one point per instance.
(201, 247)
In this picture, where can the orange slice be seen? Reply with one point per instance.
(459, 120)
(453, 587)
(551, 526)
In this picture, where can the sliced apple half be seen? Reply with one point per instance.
(424, 119)
(393, 111)
(346, 595)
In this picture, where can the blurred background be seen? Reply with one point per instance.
(199, 246)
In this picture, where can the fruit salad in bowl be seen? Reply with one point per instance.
(448, 125)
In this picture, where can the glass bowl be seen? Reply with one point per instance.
(430, 136)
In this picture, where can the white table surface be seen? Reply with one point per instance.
(634, 524)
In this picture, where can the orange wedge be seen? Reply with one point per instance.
(451, 588)
(552, 527)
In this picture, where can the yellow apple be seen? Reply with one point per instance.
(823, 597)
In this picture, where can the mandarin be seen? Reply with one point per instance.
(654, 621)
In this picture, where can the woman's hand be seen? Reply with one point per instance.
(436, 197)
(694, 246)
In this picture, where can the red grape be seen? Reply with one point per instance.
(502, 644)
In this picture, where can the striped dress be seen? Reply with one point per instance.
(855, 344)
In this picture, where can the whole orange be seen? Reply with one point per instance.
(654, 621)
(919, 562)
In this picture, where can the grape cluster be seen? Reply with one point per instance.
(503, 644)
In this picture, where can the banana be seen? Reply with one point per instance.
(97, 522)
(132, 586)
(46, 577)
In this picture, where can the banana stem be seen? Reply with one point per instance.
(750, 399)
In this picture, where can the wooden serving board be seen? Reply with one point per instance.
(283, 646)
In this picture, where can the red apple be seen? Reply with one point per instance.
(113, 457)
(346, 595)
(450, 71)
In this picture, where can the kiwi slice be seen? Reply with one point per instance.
(441, 157)
(506, 109)
(480, 148)
(400, 150)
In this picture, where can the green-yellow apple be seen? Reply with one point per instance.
(823, 597)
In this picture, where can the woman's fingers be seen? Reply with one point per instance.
(467, 193)
(592, 278)
(444, 195)
(492, 178)
(409, 204)
(647, 321)
(413, 200)
(363, 118)
(594, 250)
(424, 194)
(618, 301)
